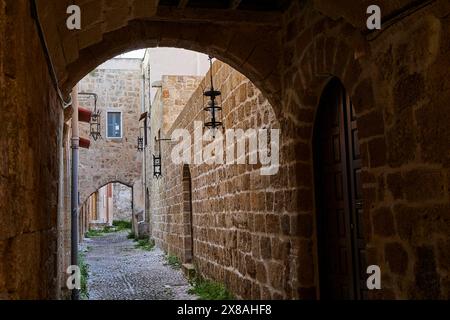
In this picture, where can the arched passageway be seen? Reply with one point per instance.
(396, 79)
(112, 202)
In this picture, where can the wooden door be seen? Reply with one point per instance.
(338, 197)
(187, 216)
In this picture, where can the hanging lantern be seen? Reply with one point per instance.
(157, 158)
(212, 105)
(95, 121)
(140, 144)
(157, 166)
(95, 117)
(140, 140)
(95, 125)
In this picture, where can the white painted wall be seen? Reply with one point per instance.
(163, 62)
(122, 64)
(173, 61)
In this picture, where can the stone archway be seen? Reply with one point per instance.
(337, 177)
(240, 48)
(100, 184)
(89, 206)
(93, 176)
(231, 36)
(399, 92)
(321, 58)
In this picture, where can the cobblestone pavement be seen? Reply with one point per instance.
(119, 271)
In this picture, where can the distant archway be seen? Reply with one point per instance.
(112, 202)
(101, 184)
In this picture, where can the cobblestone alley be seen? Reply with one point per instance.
(119, 271)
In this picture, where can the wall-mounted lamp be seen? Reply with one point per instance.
(94, 124)
(144, 133)
(157, 166)
(157, 158)
(140, 140)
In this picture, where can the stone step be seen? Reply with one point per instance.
(188, 270)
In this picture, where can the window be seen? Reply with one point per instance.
(114, 125)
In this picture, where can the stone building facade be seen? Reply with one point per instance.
(175, 93)
(118, 84)
(396, 78)
(119, 89)
(171, 96)
(258, 234)
(175, 72)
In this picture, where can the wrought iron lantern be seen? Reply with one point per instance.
(140, 144)
(94, 123)
(157, 158)
(212, 105)
(140, 140)
(95, 126)
(157, 166)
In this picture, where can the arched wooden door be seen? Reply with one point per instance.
(338, 197)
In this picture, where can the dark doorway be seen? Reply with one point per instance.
(187, 216)
(338, 195)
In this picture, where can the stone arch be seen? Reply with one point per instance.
(336, 153)
(239, 47)
(319, 53)
(90, 190)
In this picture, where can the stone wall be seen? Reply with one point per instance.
(122, 202)
(267, 246)
(171, 95)
(176, 92)
(31, 151)
(241, 219)
(395, 78)
(118, 84)
(64, 210)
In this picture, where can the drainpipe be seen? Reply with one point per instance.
(133, 217)
(143, 167)
(74, 195)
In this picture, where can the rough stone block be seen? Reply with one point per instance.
(396, 257)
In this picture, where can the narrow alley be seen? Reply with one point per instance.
(269, 150)
(120, 271)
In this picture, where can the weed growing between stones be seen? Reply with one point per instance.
(121, 225)
(84, 269)
(145, 244)
(93, 233)
(209, 290)
(116, 227)
(173, 261)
